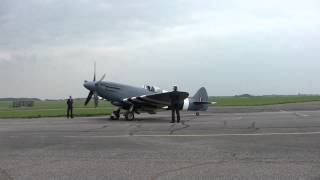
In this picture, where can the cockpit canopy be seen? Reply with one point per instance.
(154, 89)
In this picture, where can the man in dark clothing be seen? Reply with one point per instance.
(175, 104)
(70, 107)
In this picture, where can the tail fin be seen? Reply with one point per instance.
(200, 100)
(201, 96)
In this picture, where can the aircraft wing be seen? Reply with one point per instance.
(159, 100)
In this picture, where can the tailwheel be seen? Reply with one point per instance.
(129, 116)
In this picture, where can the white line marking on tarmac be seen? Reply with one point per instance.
(237, 118)
(195, 135)
(296, 113)
(300, 114)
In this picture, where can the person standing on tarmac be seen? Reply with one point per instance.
(70, 107)
(175, 104)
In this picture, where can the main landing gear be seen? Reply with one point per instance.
(115, 115)
(129, 115)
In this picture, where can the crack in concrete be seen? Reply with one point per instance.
(158, 175)
(234, 157)
(135, 129)
(91, 130)
(178, 129)
(4, 175)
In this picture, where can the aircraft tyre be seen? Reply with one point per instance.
(129, 116)
(197, 114)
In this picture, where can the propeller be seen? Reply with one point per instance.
(104, 75)
(96, 99)
(94, 75)
(88, 98)
(92, 87)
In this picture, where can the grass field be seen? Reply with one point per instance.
(57, 108)
(53, 109)
(261, 100)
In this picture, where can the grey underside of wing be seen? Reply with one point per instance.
(156, 100)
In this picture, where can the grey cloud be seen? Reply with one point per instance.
(230, 47)
(32, 22)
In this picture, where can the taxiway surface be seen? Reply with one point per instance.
(259, 145)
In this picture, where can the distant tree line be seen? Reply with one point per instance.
(243, 95)
(19, 99)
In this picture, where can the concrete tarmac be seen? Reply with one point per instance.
(259, 145)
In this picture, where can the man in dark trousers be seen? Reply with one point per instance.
(175, 104)
(70, 107)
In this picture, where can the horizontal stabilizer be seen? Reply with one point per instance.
(199, 103)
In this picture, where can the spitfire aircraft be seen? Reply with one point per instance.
(148, 99)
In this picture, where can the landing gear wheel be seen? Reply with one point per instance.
(197, 114)
(129, 116)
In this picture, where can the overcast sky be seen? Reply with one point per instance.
(48, 47)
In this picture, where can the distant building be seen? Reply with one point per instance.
(243, 96)
(26, 103)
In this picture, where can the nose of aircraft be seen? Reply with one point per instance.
(90, 85)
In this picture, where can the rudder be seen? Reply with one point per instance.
(201, 95)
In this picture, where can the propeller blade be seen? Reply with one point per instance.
(102, 77)
(96, 99)
(88, 98)
(94, 76)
